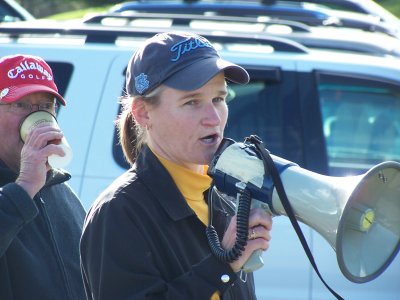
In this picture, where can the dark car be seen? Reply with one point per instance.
(11, 11)
(307, 13)
(365, 7)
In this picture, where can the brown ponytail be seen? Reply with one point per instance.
(132, 136)
(128, 135)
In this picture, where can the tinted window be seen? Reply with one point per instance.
(244, 104)
(268, 107)
(62, 73)
(361, 122)
(253, 106)
(255, 111)
(11, 11)
(7, 15)
(118, 154)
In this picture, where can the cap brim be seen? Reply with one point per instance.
(17, 92)
(200, 72)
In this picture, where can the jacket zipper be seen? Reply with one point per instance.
(55, 248)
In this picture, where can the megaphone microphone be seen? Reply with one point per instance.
(359, 216)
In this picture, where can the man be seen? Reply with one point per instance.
(40, 216)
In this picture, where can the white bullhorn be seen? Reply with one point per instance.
(358, 215)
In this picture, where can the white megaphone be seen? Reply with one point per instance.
(358, 215)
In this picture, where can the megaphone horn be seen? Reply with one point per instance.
(359, 216)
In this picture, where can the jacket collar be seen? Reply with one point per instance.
(159, 182)
(6, 174)
(53, 176)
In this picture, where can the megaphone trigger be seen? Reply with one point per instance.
(256, 260)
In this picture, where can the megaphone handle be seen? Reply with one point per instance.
(255, 261)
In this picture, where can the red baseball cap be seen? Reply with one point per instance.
(21, 75)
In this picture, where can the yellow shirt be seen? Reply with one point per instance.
(192, 186)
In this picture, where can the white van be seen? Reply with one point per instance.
(332, 113)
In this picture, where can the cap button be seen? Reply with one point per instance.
(225, 278)
(4, 93)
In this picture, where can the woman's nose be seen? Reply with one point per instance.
(211, 116)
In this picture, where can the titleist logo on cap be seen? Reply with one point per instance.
(26, 66)
(188, 45)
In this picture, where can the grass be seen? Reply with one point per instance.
(391, 5)
(77, 14)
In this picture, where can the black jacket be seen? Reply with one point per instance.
(141, 240)
(39, 240)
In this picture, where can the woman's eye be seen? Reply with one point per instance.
(191, 102)
(218, 99)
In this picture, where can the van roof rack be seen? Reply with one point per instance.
(185, 20)
(339, 39)
(109, 34)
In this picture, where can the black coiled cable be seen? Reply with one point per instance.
(242, 224)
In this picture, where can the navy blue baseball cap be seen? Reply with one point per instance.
(180, 60)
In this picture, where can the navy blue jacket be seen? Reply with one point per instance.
(141, 240)
(39, 240)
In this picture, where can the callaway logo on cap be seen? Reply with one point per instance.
(21, 75)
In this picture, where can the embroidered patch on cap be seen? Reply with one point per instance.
(141, 83)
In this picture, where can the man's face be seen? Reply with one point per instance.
(11, 144)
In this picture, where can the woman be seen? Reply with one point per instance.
(144, 238)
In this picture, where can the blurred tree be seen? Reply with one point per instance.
(43, 8)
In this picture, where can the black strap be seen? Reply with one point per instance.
(288, 207)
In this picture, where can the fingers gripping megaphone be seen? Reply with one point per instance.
(359, 216)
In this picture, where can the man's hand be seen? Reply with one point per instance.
(34, 154)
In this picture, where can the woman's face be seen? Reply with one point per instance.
(186, 127)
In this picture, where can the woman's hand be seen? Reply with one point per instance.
(260, 225)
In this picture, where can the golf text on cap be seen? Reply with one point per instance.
(26, 66)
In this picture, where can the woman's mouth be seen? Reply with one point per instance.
(210, 139)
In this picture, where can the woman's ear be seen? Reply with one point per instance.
(140, 113)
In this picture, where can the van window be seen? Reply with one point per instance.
(361, 121)
(62, 73)
(257, 108)
(245, 103)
